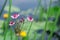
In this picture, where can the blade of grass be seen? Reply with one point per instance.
(54, 25)
(41, 14)
(29, 30)
(10, 4)
(16, 38)
(41, 10)
(6, 23)
(3, 7)
(35, 11)
(22, 26)
(35, 34)
(4, 30)
(46, 20)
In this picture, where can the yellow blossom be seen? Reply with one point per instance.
(23, 34)
(5, 15)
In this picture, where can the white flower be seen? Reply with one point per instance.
(15, 16)
(29, 18)
(11, 23)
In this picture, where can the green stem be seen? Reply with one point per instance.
(16, 38)
(17, 25)
(10, 4)
(4, 35)
(29, 30)
(3, 7)
(44, 29)
(22, 26)
(54, 25)
(4, 30)
(35, 11)
(41, 14)
(46, 20)
(35, 34)
(11, 33)
(41, 11)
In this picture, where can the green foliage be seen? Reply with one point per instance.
(51, 11)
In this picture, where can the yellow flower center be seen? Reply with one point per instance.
(23, 33)
(5, 15)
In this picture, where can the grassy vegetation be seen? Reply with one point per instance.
(41, 25)
(34, 28)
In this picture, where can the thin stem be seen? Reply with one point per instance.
(11, 33)
(44, 29)
(29, 30)
(18, 27)
(41, 9)
(10, 4)
(16, 38)
(22, 26)
(38, 6)
(4, 25)
(46, 20)
(54, 25)
(5, 28)
(3, 7)
(35, 34)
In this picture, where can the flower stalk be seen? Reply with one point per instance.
(48, 10)
(3, 7)
(10, 4)
(49, 38)
(29, 30)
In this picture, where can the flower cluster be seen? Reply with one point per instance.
(17, 29)
(15, 16)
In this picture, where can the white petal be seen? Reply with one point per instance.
(12, 17)
(29, 19)
(18, 15)
(12, 24)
